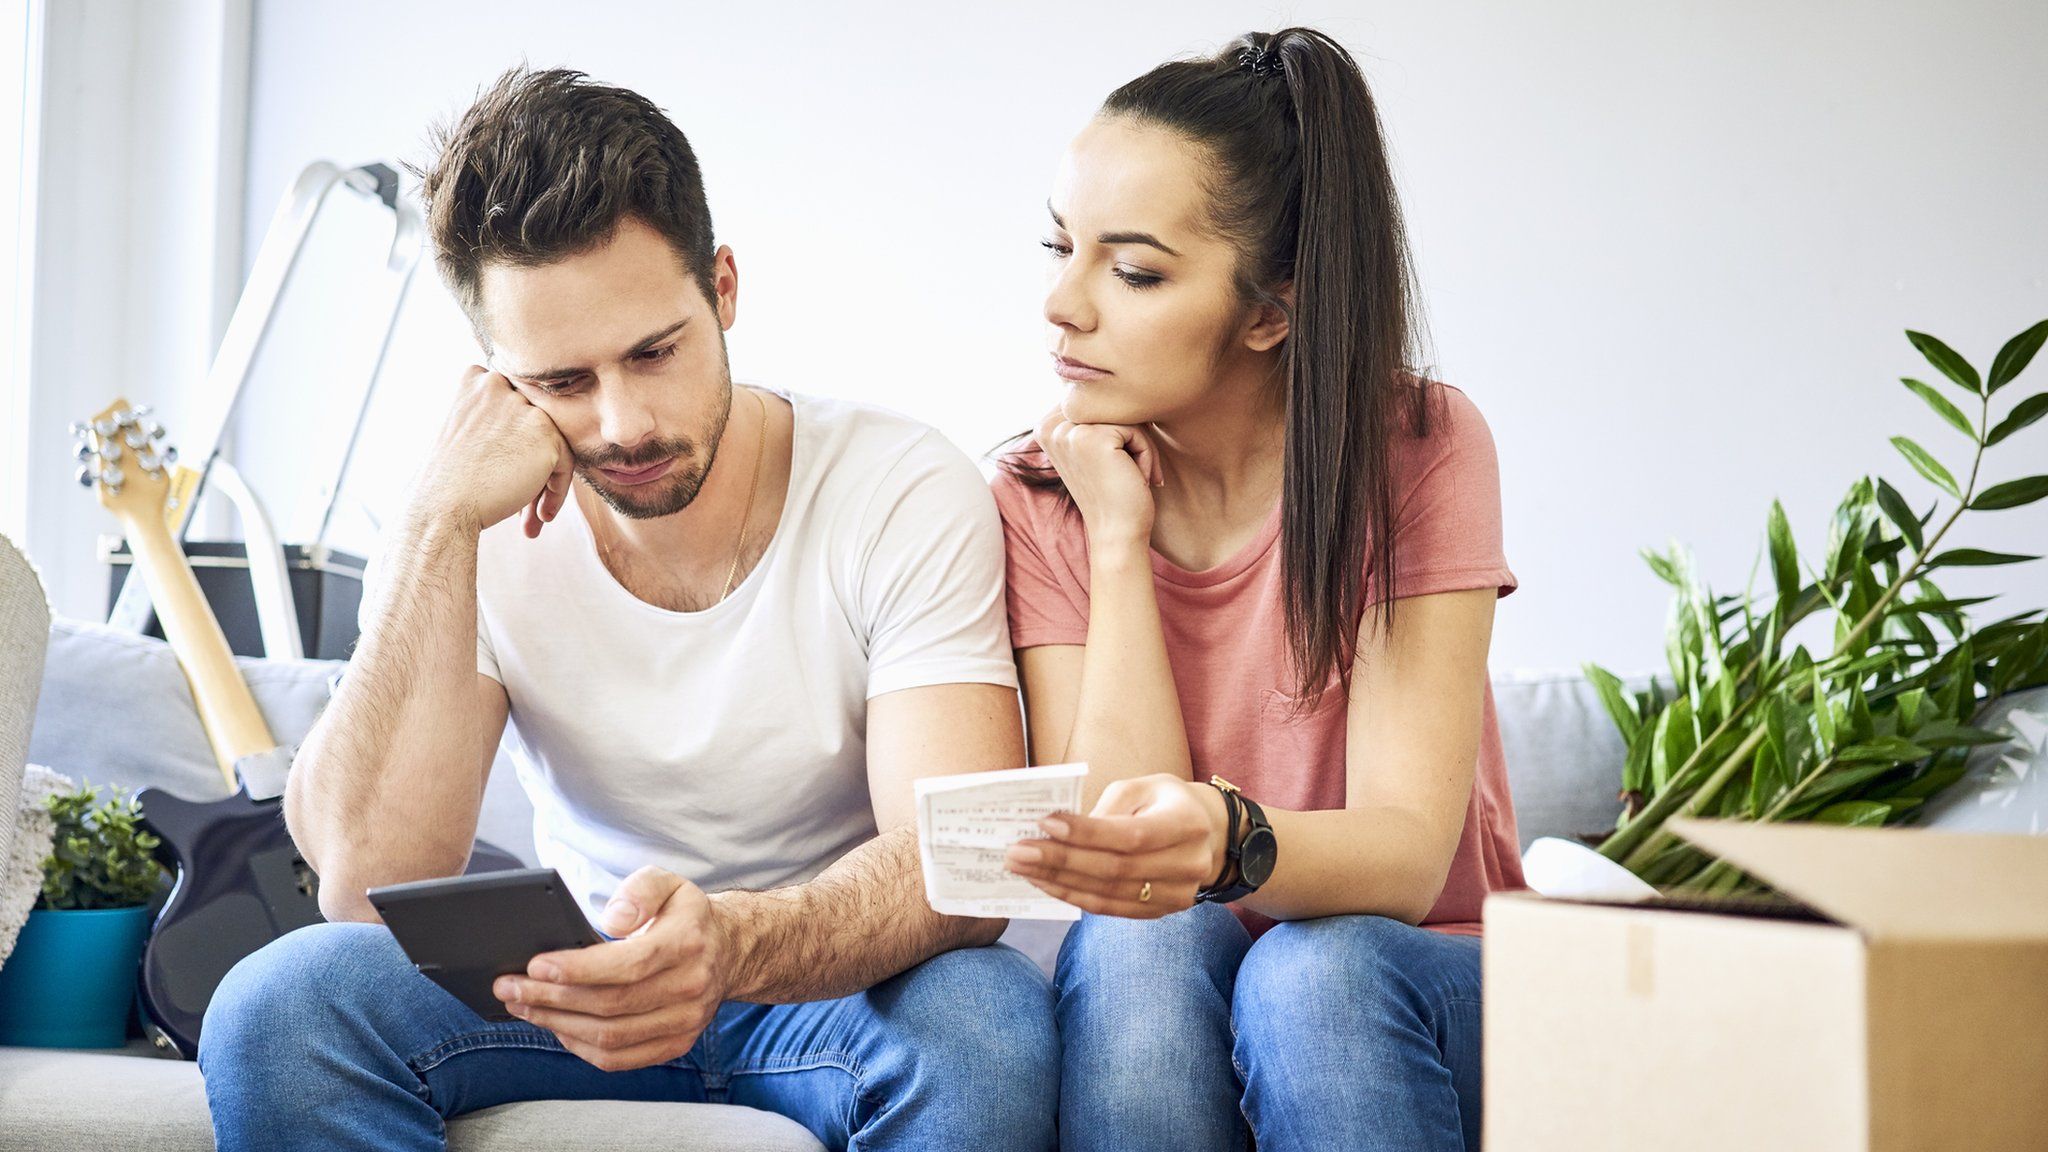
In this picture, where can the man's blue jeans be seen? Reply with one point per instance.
(1352, 1032)
(328, 1038)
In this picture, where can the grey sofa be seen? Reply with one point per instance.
(114, 709)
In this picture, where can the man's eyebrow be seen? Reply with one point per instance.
(1117, 237)
(635, 350)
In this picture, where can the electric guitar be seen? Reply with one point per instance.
(240, 881)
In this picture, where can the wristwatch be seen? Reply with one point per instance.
(1247, 863)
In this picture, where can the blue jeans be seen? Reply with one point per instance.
(328, 1038)
(1353, 1032)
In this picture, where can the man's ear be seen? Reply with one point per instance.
(725, 277)
(1267, 324)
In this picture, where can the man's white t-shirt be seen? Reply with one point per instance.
(729, 745)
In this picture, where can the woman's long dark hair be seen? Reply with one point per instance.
(1299, 182)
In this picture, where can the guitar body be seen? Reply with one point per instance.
(241, 884)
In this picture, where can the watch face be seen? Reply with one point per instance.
(1255, 859)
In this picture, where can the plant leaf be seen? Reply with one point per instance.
(1855, 813)
(2011, 494)
(1945, 358)
(1662, 567)
(1894, 748)
(1823, 715)
(1949, 734)
(1976, 558)
(1927, 466)
(1765, 780)
(1939, 605)
(1619, 706)
(1635, 771)
(1899, 513)
(1942, 407)
(2012, 359)
(2029, 410)
(1784, 552)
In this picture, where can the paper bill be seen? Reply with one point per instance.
(966, 822)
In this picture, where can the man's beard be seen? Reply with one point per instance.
(675, 490)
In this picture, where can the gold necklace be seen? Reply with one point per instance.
(760, 453)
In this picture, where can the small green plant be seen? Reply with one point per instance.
(1867, 732)
(100, 856)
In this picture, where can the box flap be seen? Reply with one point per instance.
(1905, 883)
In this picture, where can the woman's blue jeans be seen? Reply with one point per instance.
(1352, 1032)
(328, 1038)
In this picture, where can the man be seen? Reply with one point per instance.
(728, 626)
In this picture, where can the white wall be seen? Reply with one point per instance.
(20, 69)
(136, 216)
(1669, 249)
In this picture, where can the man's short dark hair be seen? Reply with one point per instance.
(544, 165)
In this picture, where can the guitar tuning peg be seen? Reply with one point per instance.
(105, 427)
(110, 449)
(152, 429)
(83, 452)
(170, 454)
(112, 477)
(85, 477)
(149, 461)
(142, 410)
(124, 417)
(79, 428)
(135, 439)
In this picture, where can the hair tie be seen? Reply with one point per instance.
(1260, 61)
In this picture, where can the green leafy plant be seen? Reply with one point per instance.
(100, 857)
(1868, 732)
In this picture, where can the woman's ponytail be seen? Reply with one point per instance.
(1303, 186)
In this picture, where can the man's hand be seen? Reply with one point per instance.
(1110, 471)
(1149, 846)
(639, 1000)
(496, 454)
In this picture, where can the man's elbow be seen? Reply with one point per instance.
(346, 903)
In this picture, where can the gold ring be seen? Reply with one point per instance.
(1145, 893)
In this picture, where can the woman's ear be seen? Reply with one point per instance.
(1267, 324)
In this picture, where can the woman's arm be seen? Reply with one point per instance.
(1412, 741)
(1111, 702)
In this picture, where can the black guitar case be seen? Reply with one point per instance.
(240, 884)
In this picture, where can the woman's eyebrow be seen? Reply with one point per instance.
(1118, 237)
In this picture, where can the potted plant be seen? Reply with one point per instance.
(71, 978)
(1883, 718)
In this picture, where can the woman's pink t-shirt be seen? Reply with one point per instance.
(1226, 639)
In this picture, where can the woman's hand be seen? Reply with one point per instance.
(1150, 844)
(1110, 470)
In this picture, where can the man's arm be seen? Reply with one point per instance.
(388, 784)
(377, 794)
(866, 918)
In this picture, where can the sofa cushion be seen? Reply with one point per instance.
(127, 1101)
(115, 709)
(1564, 754)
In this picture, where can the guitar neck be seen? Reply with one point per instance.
(228, 712)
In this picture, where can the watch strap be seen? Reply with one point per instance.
(1224, 888)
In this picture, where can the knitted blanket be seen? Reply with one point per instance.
(21, 868)
(24, 822)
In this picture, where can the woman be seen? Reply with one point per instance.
(1211, 542)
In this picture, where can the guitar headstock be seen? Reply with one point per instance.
(121, 454)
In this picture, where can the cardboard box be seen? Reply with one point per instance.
(1904, 1005)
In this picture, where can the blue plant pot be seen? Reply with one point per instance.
(71, 978)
